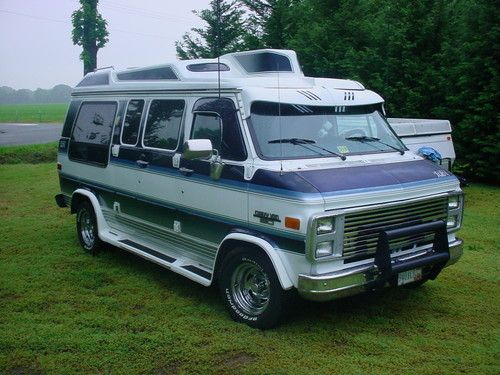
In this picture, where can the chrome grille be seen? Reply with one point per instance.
(362, 229)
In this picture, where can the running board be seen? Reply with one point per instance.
(180, 265)
(146, 249)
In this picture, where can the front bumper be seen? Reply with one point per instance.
(368, 277)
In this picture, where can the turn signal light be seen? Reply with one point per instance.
(292, 223)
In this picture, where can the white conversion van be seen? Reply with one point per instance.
(261, 182)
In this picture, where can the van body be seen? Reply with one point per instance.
(243, 173)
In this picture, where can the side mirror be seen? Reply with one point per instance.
(197, 149)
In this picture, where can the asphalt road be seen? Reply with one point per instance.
(27, 134)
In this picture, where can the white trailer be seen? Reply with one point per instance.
(417, 133)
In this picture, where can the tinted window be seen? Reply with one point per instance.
(163, 124)
(148, 74)
(231, 146)
(70, 118)
(208, 126)
(264, 62)
(94, 80)
(130, 130)
(208, 67)
(92, 132)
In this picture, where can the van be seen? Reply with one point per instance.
(241, 172)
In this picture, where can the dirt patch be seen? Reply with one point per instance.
(235, 360)
(171, 369)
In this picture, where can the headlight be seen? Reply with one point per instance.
(452, 221)
(324, 249)
(324, 225)
(453, 202)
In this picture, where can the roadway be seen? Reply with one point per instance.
(26, 134)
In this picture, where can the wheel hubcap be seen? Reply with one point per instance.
(86, 228)
(250, 288)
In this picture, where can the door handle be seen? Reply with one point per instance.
(142, 163)
(186, 171)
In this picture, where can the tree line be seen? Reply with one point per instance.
(427, 58)
(57, 94)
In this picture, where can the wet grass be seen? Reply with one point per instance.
(63, 311)
(33, 113)
(31, 154)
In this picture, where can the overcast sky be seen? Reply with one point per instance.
(35, 37)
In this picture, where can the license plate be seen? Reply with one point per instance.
(409, 276)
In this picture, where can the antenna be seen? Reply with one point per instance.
(218, 46)
(279, 119)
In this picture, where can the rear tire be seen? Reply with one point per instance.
(86, 228)
(251, 290)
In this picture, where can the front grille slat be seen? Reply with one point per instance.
(362, 229)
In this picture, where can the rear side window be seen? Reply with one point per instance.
(132, 122)
(163, 124)
(70, 118)
(91, 134)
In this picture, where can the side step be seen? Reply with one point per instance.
(154, 253)
(180, 265)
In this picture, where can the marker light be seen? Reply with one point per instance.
(292, 223)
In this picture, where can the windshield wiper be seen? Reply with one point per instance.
(307, 143)
(365, 138)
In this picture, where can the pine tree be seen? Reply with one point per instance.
(224, 32)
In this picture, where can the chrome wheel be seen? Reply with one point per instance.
(87, 228)
(250, 288)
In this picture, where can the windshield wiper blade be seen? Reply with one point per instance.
(365, 138)
(306, 143)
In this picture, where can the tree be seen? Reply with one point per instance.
(89, 32)
(224, 32)
(271, 20)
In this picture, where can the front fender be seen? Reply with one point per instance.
(268, 248)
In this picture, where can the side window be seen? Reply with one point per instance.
(132, 122)
(208, 126)
(70, 118)
(163, 124)
(230, 143)
(92, 132)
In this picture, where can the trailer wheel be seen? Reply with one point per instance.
(251, 290)
(86, 228)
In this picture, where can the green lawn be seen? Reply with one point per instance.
(33, 113)
(39, 153)
(63, 311)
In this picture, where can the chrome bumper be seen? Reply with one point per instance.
(363, 278)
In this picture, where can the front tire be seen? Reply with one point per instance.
(86, 228)
(251, 290)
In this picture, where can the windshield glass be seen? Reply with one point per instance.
(319, 131)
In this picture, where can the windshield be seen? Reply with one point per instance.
(292, 131)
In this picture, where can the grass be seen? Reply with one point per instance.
(32, 154)
(63, 311)
(33, 113)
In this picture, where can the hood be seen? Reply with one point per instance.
(370, 177)
(337, 182)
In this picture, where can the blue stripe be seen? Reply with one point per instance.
(252, 187)
(173, 206)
